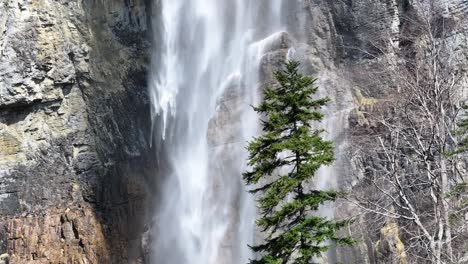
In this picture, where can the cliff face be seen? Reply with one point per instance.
(73, 129)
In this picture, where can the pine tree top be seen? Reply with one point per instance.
(284, 160)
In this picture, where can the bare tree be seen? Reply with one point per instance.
(410, 132)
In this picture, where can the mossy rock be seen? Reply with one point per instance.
(362, 100)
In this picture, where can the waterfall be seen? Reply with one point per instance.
(206, 65)
(205, 75)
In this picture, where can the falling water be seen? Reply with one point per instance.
(206, 65)
(208, 61)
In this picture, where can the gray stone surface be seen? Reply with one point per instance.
(73, 129)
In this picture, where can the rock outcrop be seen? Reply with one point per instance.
(390, 249)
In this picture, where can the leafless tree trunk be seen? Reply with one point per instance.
(406, 153)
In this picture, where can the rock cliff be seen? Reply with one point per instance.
(73, 129)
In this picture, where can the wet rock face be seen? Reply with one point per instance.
(73, 125)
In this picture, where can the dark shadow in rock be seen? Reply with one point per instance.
(14, 113)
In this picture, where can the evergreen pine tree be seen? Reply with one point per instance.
(284, 160)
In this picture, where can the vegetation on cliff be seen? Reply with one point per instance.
(412, 147)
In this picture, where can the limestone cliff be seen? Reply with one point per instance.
(73, 126)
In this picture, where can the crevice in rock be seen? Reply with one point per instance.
(14, 113)
(75, 230)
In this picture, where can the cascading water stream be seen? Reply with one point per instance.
(209, 60)
(209, 47)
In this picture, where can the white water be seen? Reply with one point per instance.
(210, 49)
(205, 76)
